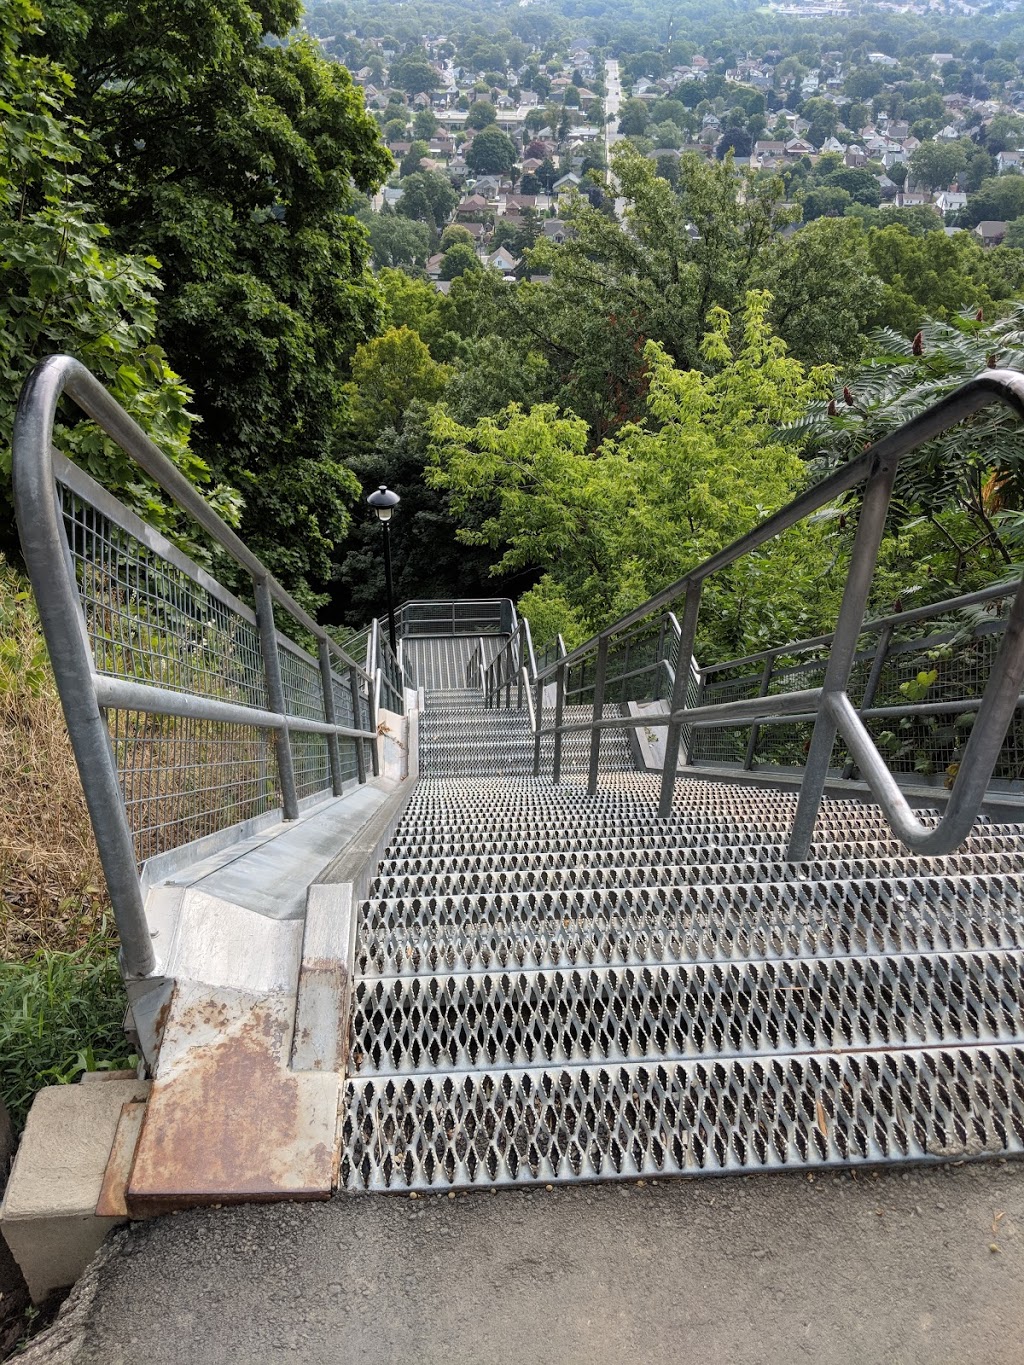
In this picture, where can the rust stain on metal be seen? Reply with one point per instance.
(111, 1203)
(227, 1124)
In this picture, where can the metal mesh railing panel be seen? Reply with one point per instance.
(303, 688)
(311, 761)
(183, 779)
(149, 621)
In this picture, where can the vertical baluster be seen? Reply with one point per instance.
(870, 529)
(539, 717)
(755, 730)
(333, 746)
(556, 765)
(357, 722)
(871, 687)
(673, 731)
(595, 733)
(275, 696)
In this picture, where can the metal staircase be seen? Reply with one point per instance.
(552, 986)
(573, 952)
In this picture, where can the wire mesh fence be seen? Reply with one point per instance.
(153, 617)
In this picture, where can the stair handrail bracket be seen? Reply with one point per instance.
(166, 642)
(833, 712)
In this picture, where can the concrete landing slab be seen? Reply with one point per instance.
(894, 1268)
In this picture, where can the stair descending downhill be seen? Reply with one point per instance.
(556, 987)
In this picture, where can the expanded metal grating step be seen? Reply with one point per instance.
(555, 987)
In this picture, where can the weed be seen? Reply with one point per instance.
(61, 997)
(60, 1015)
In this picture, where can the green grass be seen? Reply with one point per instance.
(61, 1013)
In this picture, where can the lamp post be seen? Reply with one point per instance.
(384, 502)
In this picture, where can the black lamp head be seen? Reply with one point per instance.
(384, 502)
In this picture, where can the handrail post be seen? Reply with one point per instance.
(275, 696)
(539, 719)
(333, 747)
(519, 671)
(595, 734)
(680, 685)
(372, 691)
(870, 530)
(874, 678)
(657, 655)
(755, 730)
(357, 724)
(556, 759)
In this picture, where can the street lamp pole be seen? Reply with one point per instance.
(384, 502)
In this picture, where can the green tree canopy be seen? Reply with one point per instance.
(232, 159)
(481, 113)
(611, 525)
(67, 288)
(414, 74)
(491, 152)
(457, 260)
(936, 165)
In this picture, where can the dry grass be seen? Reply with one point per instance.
(52, 893)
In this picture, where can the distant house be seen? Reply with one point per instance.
(472, 207)
(502, 260)
(950, 201)
(991, 231)
(569, 181)
(913, 199)
(1009, 161)
(555, 230)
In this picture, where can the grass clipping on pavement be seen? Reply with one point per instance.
(61, 998)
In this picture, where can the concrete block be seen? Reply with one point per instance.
(48, 1216)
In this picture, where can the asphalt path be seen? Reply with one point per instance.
(893, 1268)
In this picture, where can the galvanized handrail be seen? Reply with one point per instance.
(293, 681)
(515, 663)
(455, 616)
(834, 713)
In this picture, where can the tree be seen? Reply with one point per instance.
(414, 74)
(481, 114)
(634, 117)
(429, 197)
(411, 161)
(455, 232)
(395, 129)
(232, 158)
(956, 515)
(936, 165)
(491, 152)
(66, 288)
(735, 140)
(938, 276)
(825, 200)
(425, 124)
(1000, 197)
(457, 260)
(858, 182)
(610, 525)
(390, 373)
(396, 240)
